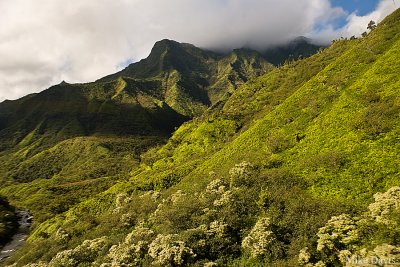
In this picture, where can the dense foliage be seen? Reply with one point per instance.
(8, 221)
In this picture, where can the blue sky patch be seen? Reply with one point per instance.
(360, 7)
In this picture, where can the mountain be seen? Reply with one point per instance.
(93, 134)
(296, 48)
(296, 167)
(176, 82)
(192, 79)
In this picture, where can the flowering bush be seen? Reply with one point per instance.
(385, 204)
(133, 249)
(121, 200)
(261, 240)
(166, 250)
(346, 240)
(88, 251)
(339, 232)
(62, 235)
(242, 174)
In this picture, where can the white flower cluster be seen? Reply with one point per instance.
(216, 186)
(121, 200)
(142, 244)
(385, 204)
(88, 251)
(133, 249)
(154, 195)
(166, 250)
(207, 234)
(338, 232)
(177, 196)
(334, 241)
(218, 193)
(210, 264)
(61, 235)
(241, 174)
(338, 240)
(304, 256)
(174, 199)
(225, 199)
(260, 239)
(218, 228)
(127, 219)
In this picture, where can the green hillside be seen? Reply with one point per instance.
(83, 138)
(293, 166)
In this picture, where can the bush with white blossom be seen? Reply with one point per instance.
(133, 249)
(87, 252)
(385, 204)
(261, 241)
(242, 174)
(167, 250)
(360, 241)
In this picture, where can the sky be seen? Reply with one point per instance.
(44, 42)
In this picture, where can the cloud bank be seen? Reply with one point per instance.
(46, 41)
(356, 25)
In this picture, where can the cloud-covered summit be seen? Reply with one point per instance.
(46, 41)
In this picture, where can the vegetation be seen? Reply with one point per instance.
(8, 221)
(298, 166)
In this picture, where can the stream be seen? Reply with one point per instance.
(18, 239)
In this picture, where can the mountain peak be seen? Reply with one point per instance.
(163, 45)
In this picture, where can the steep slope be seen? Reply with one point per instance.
(193, 79)
(71, 141)
(175, 82)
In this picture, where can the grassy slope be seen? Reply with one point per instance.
(326, 110)
(73, 171)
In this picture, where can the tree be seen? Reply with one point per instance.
(371, 25)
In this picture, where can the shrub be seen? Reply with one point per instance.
(133, 249)
(385, 204)
(372, 237)
(338, 234)
(166, 250)
(262, 241)
(242, 174)
(87, 252)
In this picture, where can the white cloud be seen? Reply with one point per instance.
(356, 25)
(43, 42)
